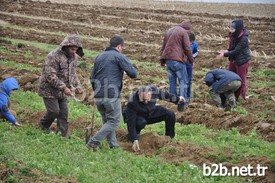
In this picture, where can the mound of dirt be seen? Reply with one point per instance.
(215, 118)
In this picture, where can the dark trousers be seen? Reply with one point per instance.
(159, 114)
(56, 109)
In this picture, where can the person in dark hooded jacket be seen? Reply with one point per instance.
(7, 87)
(57, 81)
(175, 52)
(238, 54)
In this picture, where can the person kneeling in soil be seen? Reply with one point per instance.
(142, 110)
(222, 86)
(7, 87)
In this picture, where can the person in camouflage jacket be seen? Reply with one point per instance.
(58, 78)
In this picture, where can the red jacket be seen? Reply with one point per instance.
(176, 44)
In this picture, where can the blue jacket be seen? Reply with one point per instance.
(107, 74)
(5, 88)
(218, 78)
(194, 49)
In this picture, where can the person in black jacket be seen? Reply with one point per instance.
(222, 85)
(238, 54)
(142, 110)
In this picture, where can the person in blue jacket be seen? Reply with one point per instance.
(189, 66)
(222, 86)
(7, 87)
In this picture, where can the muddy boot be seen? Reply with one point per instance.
(232, 104)
(220, 106)
(93, 145)
(182, 106)
(44, 129)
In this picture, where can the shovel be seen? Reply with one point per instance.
(89, 130)
(76, 98)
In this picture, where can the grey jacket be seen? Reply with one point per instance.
(107, 74)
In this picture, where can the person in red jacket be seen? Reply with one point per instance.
(175, 52)
(238, 54)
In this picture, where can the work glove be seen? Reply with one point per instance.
(135, 146)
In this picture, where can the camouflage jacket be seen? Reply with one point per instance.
(59, 71)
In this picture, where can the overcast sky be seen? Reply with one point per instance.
(231, 1)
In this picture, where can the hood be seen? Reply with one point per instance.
(186, 24)
(73, 40)
(209, 79)
(9, 84)
(239, 27)
(245, 32)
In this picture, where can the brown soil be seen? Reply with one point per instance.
(25, 174)
(143, 29)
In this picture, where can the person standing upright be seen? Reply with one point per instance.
(175, 52)
(238, 54)
(58, 76)
(106, 79)
(189, 65)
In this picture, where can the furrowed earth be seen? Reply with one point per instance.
(143, 29)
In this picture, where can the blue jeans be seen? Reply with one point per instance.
(189, 68)
(177, 71)
(110, 110)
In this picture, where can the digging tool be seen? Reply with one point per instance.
(89, 130)
(74, 97)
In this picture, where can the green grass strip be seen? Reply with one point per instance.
(16, 66)
(242, 145)
(57, 156)
(46, 47)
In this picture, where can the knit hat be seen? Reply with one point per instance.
(233, 25)
(116, 40)
(238, 27)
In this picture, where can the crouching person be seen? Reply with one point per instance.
(7, 87)
(142, 110)
(222, 86)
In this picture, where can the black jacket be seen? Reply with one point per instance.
(136, 108)
(238, 50)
